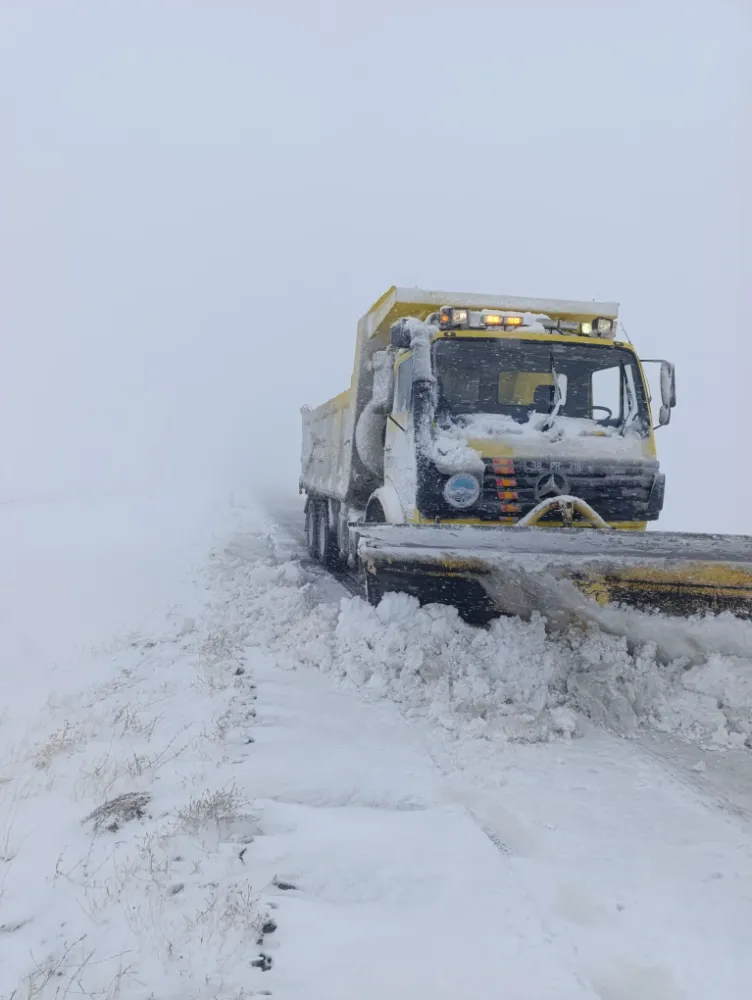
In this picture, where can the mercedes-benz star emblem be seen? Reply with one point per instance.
(551, 484)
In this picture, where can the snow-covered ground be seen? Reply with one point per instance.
(222, 776)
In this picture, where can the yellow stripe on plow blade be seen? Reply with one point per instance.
(521, 570)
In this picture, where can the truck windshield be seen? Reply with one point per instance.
(516, 378)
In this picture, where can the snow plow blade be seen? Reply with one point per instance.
(559, 572)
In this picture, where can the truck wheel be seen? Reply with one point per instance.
(375, 512)
(326, 541)
(311, 529)
(374, 593)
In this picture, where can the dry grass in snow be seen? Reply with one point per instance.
(124, 832)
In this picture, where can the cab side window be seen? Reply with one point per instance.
(607, 394)
(403, 397)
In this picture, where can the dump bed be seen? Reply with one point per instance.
(330, 464)
(328, 436)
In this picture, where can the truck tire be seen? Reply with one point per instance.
(374, 593)
(326, 539)
(375, 512)
(311, 529)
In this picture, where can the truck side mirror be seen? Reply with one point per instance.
(668, 389)
(668, 385)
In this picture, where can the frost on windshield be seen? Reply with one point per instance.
(576, 434)
(585, 397)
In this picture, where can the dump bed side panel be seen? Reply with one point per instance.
(328, 441)
(330, 464)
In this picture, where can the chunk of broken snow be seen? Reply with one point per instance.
(564, 720)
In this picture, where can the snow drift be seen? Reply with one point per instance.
(186, 811)
(514, 681)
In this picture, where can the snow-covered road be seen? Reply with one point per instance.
(343, 801)
(431, 866)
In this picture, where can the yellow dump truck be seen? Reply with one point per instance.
(498, 453)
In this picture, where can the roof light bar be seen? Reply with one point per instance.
(452, 318)
(492, 319)
(461, 318)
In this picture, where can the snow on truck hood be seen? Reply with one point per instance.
(570, 437)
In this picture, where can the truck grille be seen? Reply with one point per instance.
(618, 491)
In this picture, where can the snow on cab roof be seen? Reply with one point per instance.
(421, 302)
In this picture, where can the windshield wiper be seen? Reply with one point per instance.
(558, 400)
(631, 409)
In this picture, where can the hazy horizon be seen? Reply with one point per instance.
(199, 201)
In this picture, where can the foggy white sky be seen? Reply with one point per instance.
(198, 200)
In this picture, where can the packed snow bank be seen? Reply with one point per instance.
(512, 681)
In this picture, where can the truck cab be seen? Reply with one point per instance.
(484, 410)
(517, 408)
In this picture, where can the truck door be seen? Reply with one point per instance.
(399, 448)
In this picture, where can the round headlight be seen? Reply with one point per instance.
(462, 490)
